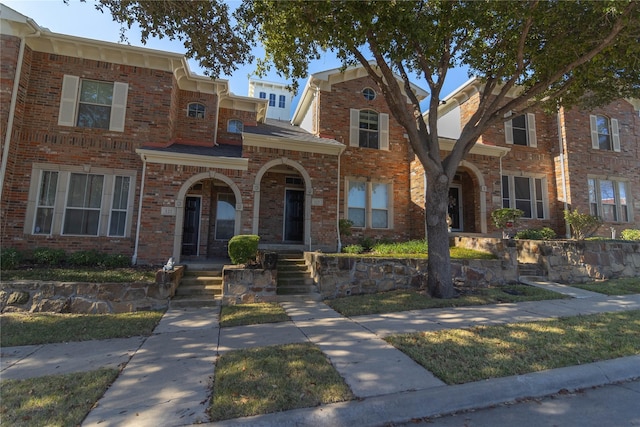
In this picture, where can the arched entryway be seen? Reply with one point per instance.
(208, 214)
(282, 204)
(467, 200)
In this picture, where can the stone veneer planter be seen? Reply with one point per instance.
(89, 298)
(248, 285)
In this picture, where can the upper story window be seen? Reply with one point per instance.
(272, 100)
(525, 193)
(282, 100)
(608, 200)
(369, 204)
(72, 202)
(369, 94)
(263, 95)
(369, 129)
(521, 130)
(93, 104)
(195, 109)
(604, 133)
(234, 126)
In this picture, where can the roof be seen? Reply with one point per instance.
(281, 134)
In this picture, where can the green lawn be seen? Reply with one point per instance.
(249, 314)
(624, 286)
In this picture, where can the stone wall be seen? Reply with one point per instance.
(248, 285)
(339, 276)
(89, 298)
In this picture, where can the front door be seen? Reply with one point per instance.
(191, 227)
(294, 216)
(455, 207)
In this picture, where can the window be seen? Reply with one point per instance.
(368, 204)
(119, 205)
(369, 129)
(234, 126)
(604, 133)
(608, 200)
(225, 216)
(521, 130)
(66, 200)
(272, 100)
(263, 95)
(525, 193)
(195, 110)
(46, 202)
(93, 104)
(369, 94)
(282, 100)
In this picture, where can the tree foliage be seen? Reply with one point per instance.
(526, 54)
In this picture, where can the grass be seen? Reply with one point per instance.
(42, 328)
(394, 301)
(54, 400)
(92, 275)
(416, 249)
(250, 314)
(626, 286)
(465, 355)
(272, 379)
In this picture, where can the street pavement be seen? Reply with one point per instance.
(167, 377)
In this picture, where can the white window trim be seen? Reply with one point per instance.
(614, 128)
(616, 183)
(235, 120)
(532, 191)
(200, 104)
(532, 140)
(368, 214)
(354, 129)
(67, 114)
(59, 211)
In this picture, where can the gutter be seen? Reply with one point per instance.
(134, 258)
(564, 179)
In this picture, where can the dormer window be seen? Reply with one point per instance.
(369, 94)
(196, 110)
(234, 126)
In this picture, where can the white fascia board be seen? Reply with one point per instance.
(478, 148)
(317, 147)
(169, 158)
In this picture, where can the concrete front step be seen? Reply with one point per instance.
(192, 302)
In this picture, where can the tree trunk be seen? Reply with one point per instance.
(439, 280)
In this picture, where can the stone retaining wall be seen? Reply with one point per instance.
(248, 285)
(339, 276)
(89, 298)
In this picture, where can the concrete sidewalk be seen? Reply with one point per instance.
(167, 377)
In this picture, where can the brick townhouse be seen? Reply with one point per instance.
(124, 150)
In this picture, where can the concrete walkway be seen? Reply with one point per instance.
(168, 376)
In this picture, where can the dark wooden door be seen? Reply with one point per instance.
(191, 226)
(294, 216)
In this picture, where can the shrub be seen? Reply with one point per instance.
(344, 226)
(505, 219)
(48, 256)
(367, 243)
(10, 258)
(243, 248)
(116, 260)
(353, 249)
(582, 225)
(86, 258)
(410, 247)
(545, 233)
(630, 234)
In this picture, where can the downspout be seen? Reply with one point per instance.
(564, 178)
(338, 206)
(14, 101)
(134, 258)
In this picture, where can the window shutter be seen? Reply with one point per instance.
(118, 106)
(508, 132)
(68, 101)
(615, 135)
(531, 128)
(595, 143)
(384, 131)
(354, 128)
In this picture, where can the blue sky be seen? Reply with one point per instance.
(83, 20)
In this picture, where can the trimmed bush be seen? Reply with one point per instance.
(582, 225)
(243, 248)
(545, 233)
(10, 258)
(353, 249)
(116, 260)
(630, 234)
(48, 256)
(86, 258)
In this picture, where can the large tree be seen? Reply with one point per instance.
(526, 54)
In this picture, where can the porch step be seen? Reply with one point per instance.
(294, 281)
(200, 286)
(531, 269)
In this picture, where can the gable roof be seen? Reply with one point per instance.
(323, 80)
